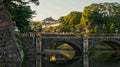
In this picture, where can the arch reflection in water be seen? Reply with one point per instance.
(105, 53)
(59, 53)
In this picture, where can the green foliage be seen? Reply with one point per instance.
(21, 1)
(101, 53)
(100, 14)
(36, 26)
(61, 19)
(63, 28)
(97, 18)
(19, 42)
(73, 18)
(49, 29)
(22, 16)
(96, 29)
(20, 12)
(112, 27)
(104, 28)
(90, 15)
(68, 22)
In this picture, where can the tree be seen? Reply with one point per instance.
(102, 13)
(68, 22)
(112, 28)
(96, 29)
(20, 12)
(20, 1)
(104, 28)
(36, 26)
(61, 19)
(22, 16)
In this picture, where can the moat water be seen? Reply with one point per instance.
(102, 58)
(101, 55)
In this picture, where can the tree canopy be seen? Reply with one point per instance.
(68, 22)
(102, 13)
(36, 26)
(20, 12)
(97, 17)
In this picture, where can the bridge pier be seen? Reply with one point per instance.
(38, 50)
(85, 51)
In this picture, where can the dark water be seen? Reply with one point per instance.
(29, 61)
(35, 61)
(99, 56)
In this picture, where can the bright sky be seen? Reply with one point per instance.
(58, 8)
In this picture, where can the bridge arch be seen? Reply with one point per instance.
(93, 43)
(75, 46)
(107, 49)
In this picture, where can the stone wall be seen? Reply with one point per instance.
(8, 47)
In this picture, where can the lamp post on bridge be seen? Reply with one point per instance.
(85, 49)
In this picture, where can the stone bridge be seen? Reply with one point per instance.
(38, 43)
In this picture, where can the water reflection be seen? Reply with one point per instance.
(29, 61)
(101, 52)
(9, 64)
(59, 53)
(105, 54)
(99, 55)
(53, 56)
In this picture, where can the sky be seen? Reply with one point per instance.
(58, 8)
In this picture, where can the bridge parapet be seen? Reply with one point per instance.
(31, 34)
(104, 36)
(57, 35)
(60, 35)
(49, 35)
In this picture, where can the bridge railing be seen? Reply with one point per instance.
(39, 34)
(104, 35)
(31, 34)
